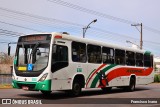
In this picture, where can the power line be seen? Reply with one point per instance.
(20, 26)
(12, 32)
(50, 19)
(64, 22)
(82, 9)
(40, 17)
(93, 12)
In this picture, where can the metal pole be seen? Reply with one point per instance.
(141, 42)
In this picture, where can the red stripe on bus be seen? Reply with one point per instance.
(127, 72)
(94, 73)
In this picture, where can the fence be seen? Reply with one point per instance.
(5, 79)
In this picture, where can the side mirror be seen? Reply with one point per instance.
(9, 50)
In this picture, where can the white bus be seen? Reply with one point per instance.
(58, 61)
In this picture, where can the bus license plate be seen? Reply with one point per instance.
(25, 88)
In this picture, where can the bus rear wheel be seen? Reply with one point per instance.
(131, 86)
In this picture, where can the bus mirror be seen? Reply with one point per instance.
(9, 50)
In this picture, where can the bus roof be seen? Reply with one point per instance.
(100, 43)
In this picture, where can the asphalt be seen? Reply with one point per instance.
(94, 97)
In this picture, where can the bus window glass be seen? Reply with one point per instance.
(78, 52)
(119, 56)
(108, 55)
(35, 54)
(94, 54)
(130, 58)
(139, 59)
(59, 57)
(61, 54)
(147, 60)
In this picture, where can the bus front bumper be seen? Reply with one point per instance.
(32, 86)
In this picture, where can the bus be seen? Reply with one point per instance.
(58, 61)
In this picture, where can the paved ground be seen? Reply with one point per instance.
(142, 92)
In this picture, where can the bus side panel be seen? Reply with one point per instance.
(63, 79)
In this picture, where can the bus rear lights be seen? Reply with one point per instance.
(43, 77)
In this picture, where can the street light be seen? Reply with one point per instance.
(141, 42)
(88, 26)
(133, 43)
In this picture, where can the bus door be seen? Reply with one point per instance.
(59, 66)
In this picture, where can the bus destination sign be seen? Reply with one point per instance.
(34, 38)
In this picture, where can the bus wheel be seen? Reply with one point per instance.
(106, 89)
(76, 89)
(131, 86)
(46, 92)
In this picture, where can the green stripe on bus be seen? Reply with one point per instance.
(94, 82)
(90, 74)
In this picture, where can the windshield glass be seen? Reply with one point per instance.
(32, 56)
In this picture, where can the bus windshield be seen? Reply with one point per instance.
(32, 55)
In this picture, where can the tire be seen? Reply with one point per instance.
(106, 89)
(131, 86)
(46, 92)
(76, 89)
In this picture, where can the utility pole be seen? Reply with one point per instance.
(141, 41)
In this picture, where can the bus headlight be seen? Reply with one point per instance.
(43, 77)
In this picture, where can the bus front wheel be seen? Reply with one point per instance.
(76, 89)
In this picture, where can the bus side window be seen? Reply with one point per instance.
(107, 55)
(79, 52)
(119, 57)
(130, 58)
(94, 54)
(139, 59)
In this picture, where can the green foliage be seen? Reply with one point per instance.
(157, 78)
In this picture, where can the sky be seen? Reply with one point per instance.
(114, 19)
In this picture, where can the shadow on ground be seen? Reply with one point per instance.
(62, 95)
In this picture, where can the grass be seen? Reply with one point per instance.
(157, 78)
(5, 86)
